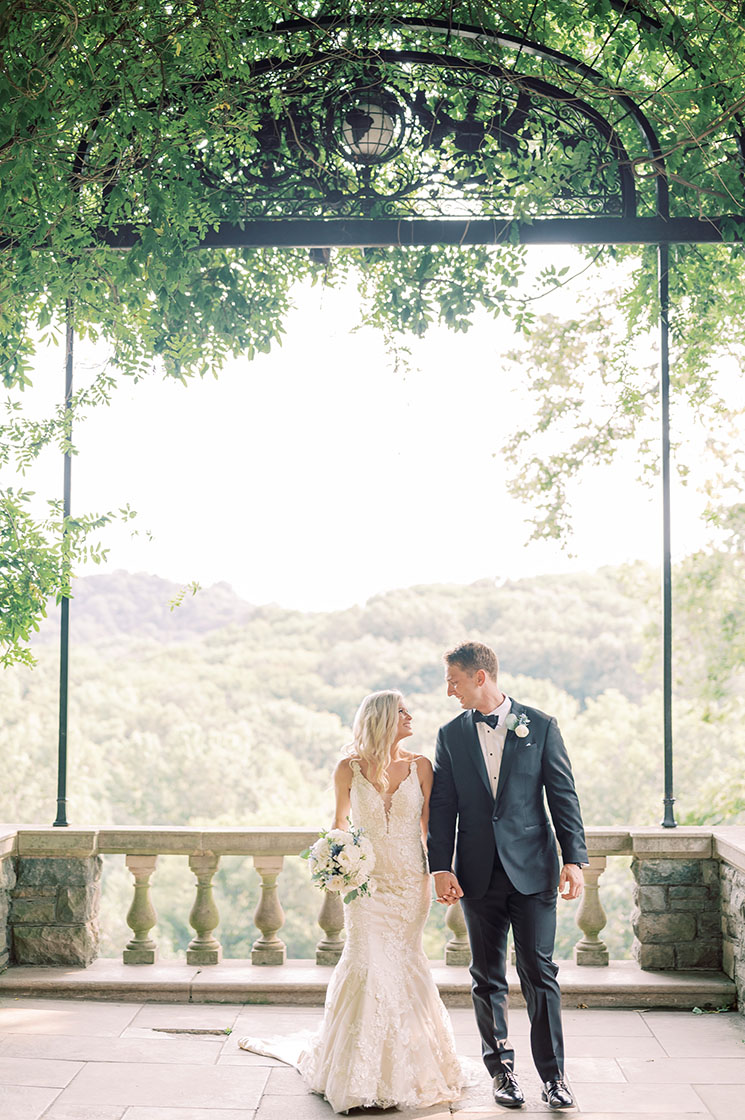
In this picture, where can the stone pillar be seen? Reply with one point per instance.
(141, 917)
(54, 910)
(458, 948)
(204, 918)
(331, 921)
(269, 917)
(591, 917)
(732, 881)
(676, 918)
(7, 882)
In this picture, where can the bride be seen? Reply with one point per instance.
(386, 1037)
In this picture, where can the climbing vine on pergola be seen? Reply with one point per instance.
(167, 128)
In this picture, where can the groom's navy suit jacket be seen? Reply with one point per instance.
(515, 822)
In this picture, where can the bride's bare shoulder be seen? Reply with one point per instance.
(344, 767)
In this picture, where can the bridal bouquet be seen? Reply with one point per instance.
(342, 861)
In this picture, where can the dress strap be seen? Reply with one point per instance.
(355, 766)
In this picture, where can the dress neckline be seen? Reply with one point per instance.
(386, 808)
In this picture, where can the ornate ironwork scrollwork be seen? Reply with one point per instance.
(402, 135)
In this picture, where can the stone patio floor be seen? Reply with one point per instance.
(87, 1060)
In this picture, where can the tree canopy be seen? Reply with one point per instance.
(168, 120)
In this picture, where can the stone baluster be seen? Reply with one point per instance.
(591, 917)
(458, 948)
(331, 921)
(141, 917)
(269, 917)
(204, 918)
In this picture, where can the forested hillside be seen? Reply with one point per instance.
(591, 624)
(220, 712)
(108, 608)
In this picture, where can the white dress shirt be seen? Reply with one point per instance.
(492, 742)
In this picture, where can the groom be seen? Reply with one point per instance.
(494, 763)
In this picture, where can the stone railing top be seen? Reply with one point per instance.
(608, 841)
(672, 843)
(8, 840)
(154, 840)
(726, 842)
(729, 844)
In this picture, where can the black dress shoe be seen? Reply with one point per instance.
(556, 1094)
(507, 1092)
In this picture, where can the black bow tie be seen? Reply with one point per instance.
(491, 720)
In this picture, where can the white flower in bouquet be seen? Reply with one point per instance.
(342, 861)
(360, 877)
(320, 851)
(353, 857)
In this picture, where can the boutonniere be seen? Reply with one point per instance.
(519, 724)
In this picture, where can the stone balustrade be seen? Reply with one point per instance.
(688, 897)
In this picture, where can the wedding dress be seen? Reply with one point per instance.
(386, 1037)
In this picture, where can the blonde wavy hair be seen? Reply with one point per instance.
(374, 733)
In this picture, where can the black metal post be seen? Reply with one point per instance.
(61, 821)
(667, 599)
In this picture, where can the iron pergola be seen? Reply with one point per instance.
(396, 145)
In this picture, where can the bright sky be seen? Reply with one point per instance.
(318, 476)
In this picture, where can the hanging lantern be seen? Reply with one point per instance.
(370, 127)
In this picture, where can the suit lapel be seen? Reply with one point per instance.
(473, 749)
(508, 753)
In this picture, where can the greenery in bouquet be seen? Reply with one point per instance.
(342, 861)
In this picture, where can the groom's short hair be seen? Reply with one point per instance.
(472, 656)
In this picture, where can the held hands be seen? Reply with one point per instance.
(447, 888)
(571, 884)
(571, 881)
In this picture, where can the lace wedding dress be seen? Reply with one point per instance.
(386, 1037)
